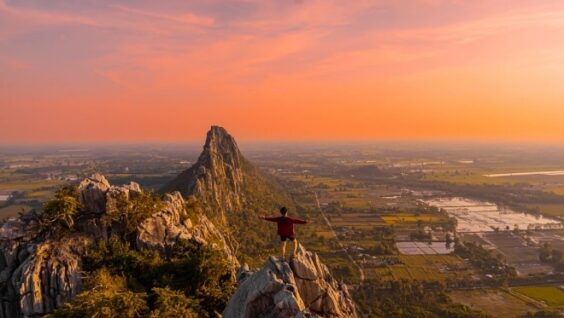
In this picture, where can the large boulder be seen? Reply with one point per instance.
(93, 193)
(301, 288)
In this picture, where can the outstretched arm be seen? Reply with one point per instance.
(299, 221)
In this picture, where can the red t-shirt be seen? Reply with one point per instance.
(285, 224)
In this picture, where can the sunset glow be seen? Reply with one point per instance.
(120, 71)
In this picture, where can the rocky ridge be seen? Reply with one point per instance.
(39, 273)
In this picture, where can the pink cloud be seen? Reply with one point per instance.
(343, 64)
(186, 18)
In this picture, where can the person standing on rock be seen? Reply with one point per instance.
(286, 229)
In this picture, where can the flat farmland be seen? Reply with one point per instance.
(424, 248)
(424, 268)
(466, 177)
(29, 185)
(496, 302)
(554, 210)
(413, 218)
(356, 219)
(312, 180)
(518, 254)
(524, 258)
(554, 238)
(550, 295)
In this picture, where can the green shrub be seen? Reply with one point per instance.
(105, 296)
(58, 213)
(131, 212)
(198, 271)
(171, 303)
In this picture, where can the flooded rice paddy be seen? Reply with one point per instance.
(479, 216)
(530, 173)
(424, 248)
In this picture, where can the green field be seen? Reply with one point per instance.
(31, 185)
(549, 209)
(477, 175)
(466, 177)
(550, 295)
(496, 302)
(316, 180)
(412, 218)
(424, 268)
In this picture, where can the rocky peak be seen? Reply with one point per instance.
(302, 287)
(217, 178)
(221, 146)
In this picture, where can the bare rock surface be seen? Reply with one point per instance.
(50, 276)
(303, 287)
(93, 193)
(164, 228)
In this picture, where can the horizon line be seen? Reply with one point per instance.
(200, 141)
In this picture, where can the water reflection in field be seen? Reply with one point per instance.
(424, 248)
(479, 216)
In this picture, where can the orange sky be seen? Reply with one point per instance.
(119, 71)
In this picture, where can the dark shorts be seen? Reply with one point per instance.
(283, 238)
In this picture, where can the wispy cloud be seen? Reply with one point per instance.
(38, 16)
(186, 18)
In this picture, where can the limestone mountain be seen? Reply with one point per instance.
(217, 178)
(42, 264)
(232, 190)
(224, 179)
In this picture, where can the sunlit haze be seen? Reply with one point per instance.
(121, 71)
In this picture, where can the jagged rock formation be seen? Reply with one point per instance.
(39, 272)
(225, 181)
(301, 288)
(165, 227)
(50, 275)
(217, 177)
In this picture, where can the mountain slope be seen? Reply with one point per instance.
(232, 190)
